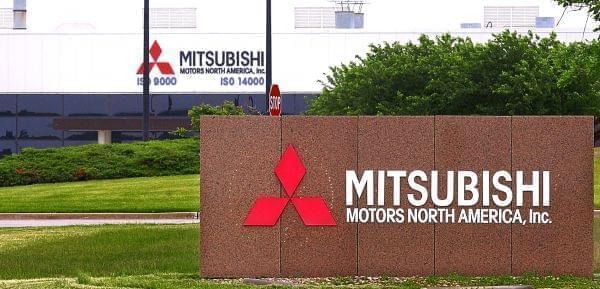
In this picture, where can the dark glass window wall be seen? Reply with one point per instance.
(26, 120)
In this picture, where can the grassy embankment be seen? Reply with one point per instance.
(166, 256)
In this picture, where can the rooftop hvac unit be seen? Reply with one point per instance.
(470, 25)
(344, 19)
(348, 14)
(359, 20)
(544, 22)
(19, 5)
(19, 14)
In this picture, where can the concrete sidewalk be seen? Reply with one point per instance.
(12, 220)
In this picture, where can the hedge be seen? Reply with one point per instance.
(66, 164)
(511, 74)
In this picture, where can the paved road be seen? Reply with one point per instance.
(63, 220)
(11, 220)
(73, 222)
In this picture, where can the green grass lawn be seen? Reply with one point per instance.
(150, 194)
(166, 256)
(111, 250)
(597, 178)
(597, 245)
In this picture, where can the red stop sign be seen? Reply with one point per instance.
(274, 100)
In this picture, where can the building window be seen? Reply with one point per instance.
(172, 17)
(6, 18)
(314, 17)
(510, 16)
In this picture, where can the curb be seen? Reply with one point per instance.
(285, 282)
(485, 287)
(99, 216)
(254, 281)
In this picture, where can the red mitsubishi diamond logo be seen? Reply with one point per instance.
(312, 210)
(164, 67)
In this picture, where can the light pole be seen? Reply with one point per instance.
(146, 85)
(268, 71)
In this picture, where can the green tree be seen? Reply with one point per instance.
(511, 74)
(592, 5)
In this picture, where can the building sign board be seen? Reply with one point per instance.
(450, 194)
(110, 63)
(211, 69)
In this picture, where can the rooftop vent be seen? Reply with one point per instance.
(510, 16)
(173, 17)
(314, 17)
(6, 18)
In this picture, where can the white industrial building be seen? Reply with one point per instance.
(65, 58)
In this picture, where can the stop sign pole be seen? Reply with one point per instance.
(274, 101)
(146, 84)
(268, 71)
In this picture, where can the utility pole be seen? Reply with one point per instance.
(146, 87)
(268, 71)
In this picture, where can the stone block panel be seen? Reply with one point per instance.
(237, 157)
(395, 143)
(472, 144)
(564, 146)
(327, 147)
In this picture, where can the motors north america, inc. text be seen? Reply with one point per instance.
(462, 202)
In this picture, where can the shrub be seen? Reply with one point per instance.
(227, 108)
(511, 74)
(141, 159)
